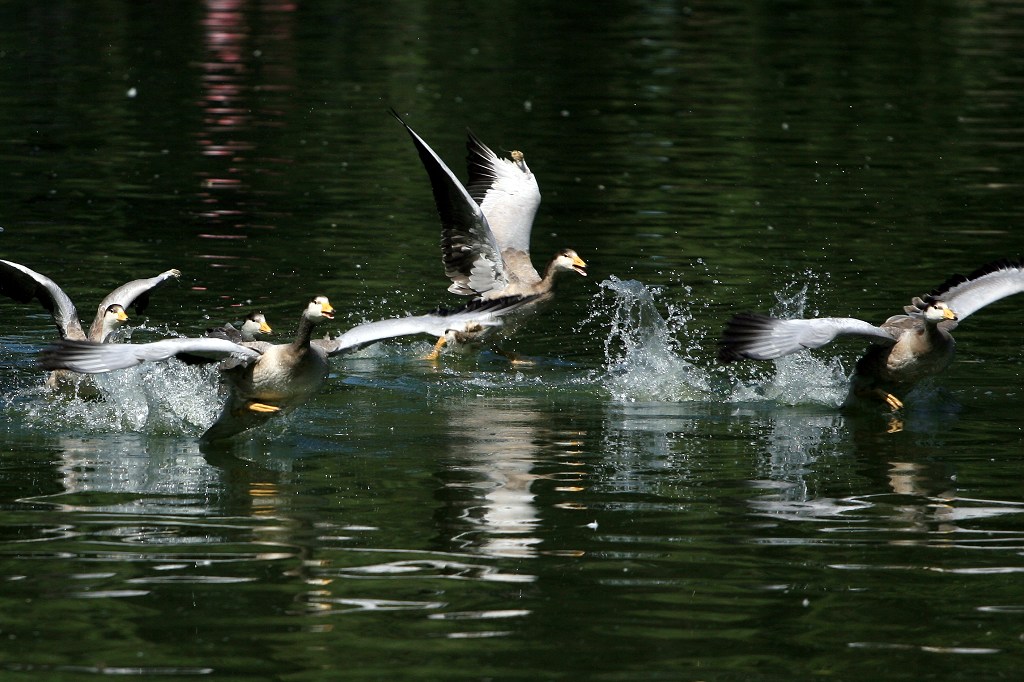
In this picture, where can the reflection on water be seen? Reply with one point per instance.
(495, 446)
(246, 77)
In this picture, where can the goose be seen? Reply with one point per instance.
(22, 284)
(255, 323)
(266, 379)
(905, 348)
(485, 230)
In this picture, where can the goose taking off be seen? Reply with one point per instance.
(23, 284)
(485, 230)
(267, 379)
(905, 348)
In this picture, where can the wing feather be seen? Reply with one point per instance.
(762, 337)
(480, 313)
(507, 192)
(87, 357)
(471, 255)
(23, 284)
(986, 285)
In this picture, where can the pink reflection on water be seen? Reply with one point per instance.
(247, 43)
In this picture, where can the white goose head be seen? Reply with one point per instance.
(113, 317)
(319, 309)
(255, 323)
(566, 260)
(937, 311)
(930, 309)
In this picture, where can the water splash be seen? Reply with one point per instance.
(801, 378)
(157, 398)
(644, 360)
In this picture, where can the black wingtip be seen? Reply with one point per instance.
(478, 166)
(739, 332)
(988, 268)
(56, 355)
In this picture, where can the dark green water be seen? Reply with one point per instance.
(622, 509)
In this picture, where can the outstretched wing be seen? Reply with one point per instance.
(989, 283)
(762, 337)
(87, 357)
(507, 192)
(475, 315)
(23, 284)
(134, 294)
(471, 255)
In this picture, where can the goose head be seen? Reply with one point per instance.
(930, 309)
(255, 323)
(319, 309)
(566, 260)
(113, 317)
(937, 311)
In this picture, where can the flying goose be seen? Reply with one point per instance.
(905, 348)
(265, 379)
(485, 230)
(255, 323)
(23, 284)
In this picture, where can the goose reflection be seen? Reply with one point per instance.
(495, 446)
(141, 475)
(906, 485)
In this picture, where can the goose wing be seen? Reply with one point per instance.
(989, 283)
(471, 255)
(507, 192)
(474, 315)
(762, 337)
(23, 284)
(134, 294)
(87, 357)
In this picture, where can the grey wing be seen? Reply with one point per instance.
(135, 294)
(762, 337)
(475, 315)
(227, 331)
(471, 256)
(507, 192)
(23, 284)
(87, 357)
(989, 283)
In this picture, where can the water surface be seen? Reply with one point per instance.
(623, 508)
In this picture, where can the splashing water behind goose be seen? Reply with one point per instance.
(650, 357)
(644, 360)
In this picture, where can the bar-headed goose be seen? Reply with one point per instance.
(23, 284)
(485, 230)
(255, 324)
(905, 348)
(265, 379)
